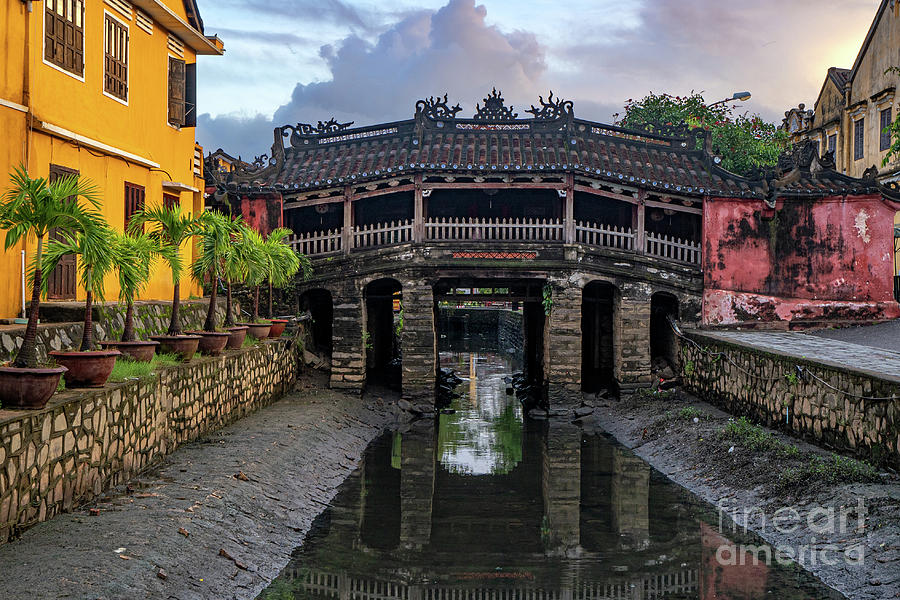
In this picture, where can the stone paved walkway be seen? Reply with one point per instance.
(882, 335)
(293, 456)
(874, 361)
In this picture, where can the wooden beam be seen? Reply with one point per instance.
(673, 206)
(409, 187)
(605, 193)
(493, 185)
(347, 231)
(569, 212)
(640, 215)
(418, 211)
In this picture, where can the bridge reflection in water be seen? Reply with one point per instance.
(481, 505)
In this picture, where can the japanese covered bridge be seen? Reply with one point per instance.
(599, 233)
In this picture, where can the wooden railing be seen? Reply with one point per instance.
(317, 242)
(515, 230)
(606, 236)
(519, 230)
(672, 248)
(383, 234)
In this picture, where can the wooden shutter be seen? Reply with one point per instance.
(64, 34)
(190, 95)
(885, 138)
(858, 139)
(115, 79)
(176, 91)
(134, 201)
(61, 284)
(171, 200)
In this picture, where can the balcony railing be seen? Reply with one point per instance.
(321, 243)
(518, 230)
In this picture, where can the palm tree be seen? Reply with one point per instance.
(170, 227)
(95, 248)
(216, 238)
(135, 255)
(31, 208)
(283, 262)
(242, 256)
(256, 266)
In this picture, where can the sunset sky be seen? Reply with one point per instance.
(368, 61)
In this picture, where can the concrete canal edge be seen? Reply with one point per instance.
(854, 410)
(86, 441)
(219, 518)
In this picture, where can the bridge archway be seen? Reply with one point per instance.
(383, 305)
(598, 303)
(663, 344)
(318, 302)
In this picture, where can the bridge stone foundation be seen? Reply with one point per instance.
(558, 354)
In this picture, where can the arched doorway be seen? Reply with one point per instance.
(319, 304)
(663, 343)
(597, 360)
(381, 333)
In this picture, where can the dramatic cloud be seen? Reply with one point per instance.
(597, 53)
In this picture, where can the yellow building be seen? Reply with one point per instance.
(106, 89)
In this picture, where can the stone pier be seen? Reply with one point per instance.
(561, 487)
(348, 363)
(418, 341)
(562, 344)
(417, 464)
(631, 336)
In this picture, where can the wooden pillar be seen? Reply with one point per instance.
(640, 233)
(569, 220)
(418, 212)
(347, 231)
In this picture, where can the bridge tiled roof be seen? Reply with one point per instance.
(491, 143)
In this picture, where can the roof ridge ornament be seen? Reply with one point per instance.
(437, 108)
(552, 109)
(494, 109)
(329, 126)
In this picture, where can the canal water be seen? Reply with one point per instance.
(484, 504)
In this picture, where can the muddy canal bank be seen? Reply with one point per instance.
(783, 494)
(218, 520)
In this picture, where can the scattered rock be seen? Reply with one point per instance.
(241, 476)
(404, 405)
(583, 411)
(183, 531)
(94, 512)
(162, 574)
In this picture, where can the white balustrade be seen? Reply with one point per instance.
(316, 243)
(605, 236)
(518, 230)
(672, 248)
(383, 234)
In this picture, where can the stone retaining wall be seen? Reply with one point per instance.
(150, 318)
(86, 441)
(766, 387)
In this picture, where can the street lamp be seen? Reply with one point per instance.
(736, 97)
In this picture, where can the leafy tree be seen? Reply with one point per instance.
(95, 248)
(170, 227)
(240, 256)
(744, 142)
(30, 208)
(283, 262)
(894, 130)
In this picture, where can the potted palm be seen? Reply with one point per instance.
(255, 271)
(239, 254)
(30, 209)
(171, 227)
(283, 264)
(95, 248)
(215, 238)
(135, 255)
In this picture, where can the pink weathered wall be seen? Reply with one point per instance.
(816, 259)
(264, 213)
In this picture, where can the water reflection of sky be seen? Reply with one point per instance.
(484, 434)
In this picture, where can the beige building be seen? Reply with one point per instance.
(855, 105)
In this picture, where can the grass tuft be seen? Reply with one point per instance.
(834, 469)
(130, 369)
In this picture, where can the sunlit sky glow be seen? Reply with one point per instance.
(369, 61)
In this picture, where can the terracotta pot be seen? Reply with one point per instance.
(184, 346)
(258, 330)
(87, 369)
(278, 326)
(141, 351)
(212, 342)
(236, 336)
(28, 388)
